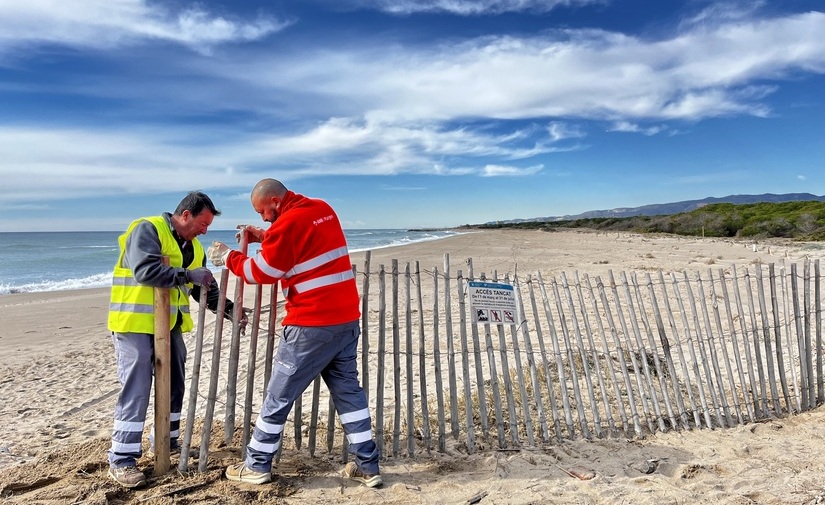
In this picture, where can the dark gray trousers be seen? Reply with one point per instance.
(303, 353)
(135, 370)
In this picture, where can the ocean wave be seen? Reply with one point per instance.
(410, 238)
(109, 247)
(92, 281)
(78, 267)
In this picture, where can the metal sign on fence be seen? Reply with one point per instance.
(492, 302)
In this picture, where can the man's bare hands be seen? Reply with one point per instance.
(244, 321)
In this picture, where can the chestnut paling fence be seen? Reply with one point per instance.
(588, 356)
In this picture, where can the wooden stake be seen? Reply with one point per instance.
(183, 464)
(422, 360)
(608, 360)
(448, 324)
(766, 333)
(163, 376)
(250, 369)
(234, 352)
(365, 326)
(479, 368)
(396, 363)
(214, 375)
(736, 356)
(409, 362)
(382, 345)
(439, 386)
(680, 352)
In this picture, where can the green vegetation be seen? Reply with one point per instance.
(804, 221)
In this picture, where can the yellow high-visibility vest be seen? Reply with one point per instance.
(132, 305)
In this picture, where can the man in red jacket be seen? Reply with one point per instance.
(306, 250)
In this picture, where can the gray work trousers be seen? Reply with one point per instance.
(135, 369)
(303, 353)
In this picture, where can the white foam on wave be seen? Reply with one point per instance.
(110, 247)
(407, 239)
(92, 281)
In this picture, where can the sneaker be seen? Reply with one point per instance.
(240, 473)
(128, 476)
(351, 471)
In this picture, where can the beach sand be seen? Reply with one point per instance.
(58, 387)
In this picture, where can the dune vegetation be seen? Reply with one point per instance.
(804, 221)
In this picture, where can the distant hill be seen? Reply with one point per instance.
(663, 209)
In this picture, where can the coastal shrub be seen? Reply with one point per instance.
(796, 220)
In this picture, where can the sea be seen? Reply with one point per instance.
(57, 261)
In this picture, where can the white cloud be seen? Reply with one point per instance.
(80, 163)
(510, 171)
(562, 131)
(471, 107)
(727, 10)
(706, 71)
(626, 126)
(471, 7)
(94, 162)
(380, 148)
(111, 23)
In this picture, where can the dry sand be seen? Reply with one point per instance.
(58, 387)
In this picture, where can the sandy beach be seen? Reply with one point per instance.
(58, 385)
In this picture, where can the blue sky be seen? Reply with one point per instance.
(403, 113)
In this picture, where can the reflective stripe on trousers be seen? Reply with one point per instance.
(135, 367)
(304, 352)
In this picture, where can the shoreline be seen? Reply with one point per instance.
(76, 314)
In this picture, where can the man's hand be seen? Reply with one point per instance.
(244, 321)
(253, 233)
(200, 276)
(217, 253)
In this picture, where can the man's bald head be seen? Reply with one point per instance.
(268, 188)
(266, 199)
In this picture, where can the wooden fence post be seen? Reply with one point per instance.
(213, 379)
(183, 464)
(250, 372)
(163, 375)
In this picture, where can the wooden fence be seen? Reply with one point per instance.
(589, 357)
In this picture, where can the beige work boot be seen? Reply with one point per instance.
(128, 476)
(352, 472)
(240, 473)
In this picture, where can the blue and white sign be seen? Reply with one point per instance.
(492, 302)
